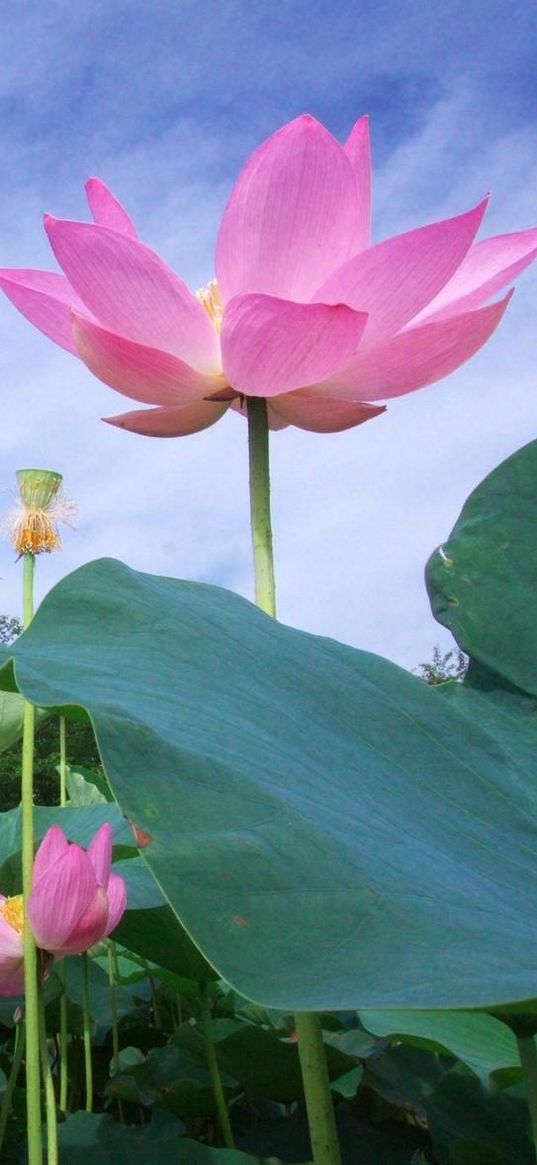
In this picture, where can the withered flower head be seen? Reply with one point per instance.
(33, 524)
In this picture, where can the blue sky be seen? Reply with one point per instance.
(165, 102)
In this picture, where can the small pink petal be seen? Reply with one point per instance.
(416, 357)
(395, 279)
(60, 898)
(12, 982)
(170, 422)
(358, 150)
(46, 299)
(53, 847)
(11, 946)
(139, 372)
(291, 218)
(107, 211)
(488, 267)
(89, 929)
(320, 414)
(131, 291)
(117, 901)
(270, 345)
(99, 852)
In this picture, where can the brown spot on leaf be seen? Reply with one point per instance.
(141, 837)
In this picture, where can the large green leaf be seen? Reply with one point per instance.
(330, 830)
(480, 1041)
(151, 929)
(460, 1112)
(11, 713)
(88, 1139)
(482, 582)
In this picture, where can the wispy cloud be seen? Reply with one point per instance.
(166, 106)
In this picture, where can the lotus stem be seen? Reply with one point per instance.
(64, 1075)
(63, 762)
(319, 1106)
(88, 1065)
(112, 961)
(258, 447)
(20, 1042)
(50, 1095)
(528, 1061)
(33, 1090)
(212, 1064)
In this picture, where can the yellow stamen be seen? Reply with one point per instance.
(210, 298)
(12, 910)
(34, 533)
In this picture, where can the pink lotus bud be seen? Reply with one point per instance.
(75, 902)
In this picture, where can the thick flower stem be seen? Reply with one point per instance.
(88, 1065)
(258, 447)
(33, 1092)
(528, 1060)
(212, 1064)
(319, 1106)
(63, 763)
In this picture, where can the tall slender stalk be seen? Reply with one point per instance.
(212, 1064)
(63, 763)
(112, 960)
(50, 1095)
(18, 1052)
(33, 1091)
(86, 1019)
(528, 1060)
(64, 1073)
(319, 1106)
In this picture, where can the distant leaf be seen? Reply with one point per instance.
(482, 581)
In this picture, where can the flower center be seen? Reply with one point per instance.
(34, 533)
(12, 910)
(210, 298)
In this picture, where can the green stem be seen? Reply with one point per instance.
(63, 763)
(258, 449)
(528, 1061)
(20, 1041)
(319, 1106)
(64, 1074)
(112, 959)
(212, 1064)
(157, 1018)
(113, 1006)
(50, 1095)
(87, 1031)
(33, 1089)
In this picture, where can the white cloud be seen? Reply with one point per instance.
(355, 515)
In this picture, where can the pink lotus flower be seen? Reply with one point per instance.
(306, 312)
(75, 902)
